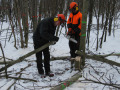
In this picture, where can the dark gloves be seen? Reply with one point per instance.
(56, 38)
(69, 33)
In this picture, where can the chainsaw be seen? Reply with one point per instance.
(71, 39)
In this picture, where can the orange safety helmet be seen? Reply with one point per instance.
(73, 5)
(61, 18)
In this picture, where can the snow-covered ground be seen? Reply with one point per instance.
(61, 68)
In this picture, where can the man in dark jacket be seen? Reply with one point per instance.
(45, 33)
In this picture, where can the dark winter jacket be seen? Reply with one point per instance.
(45, 31)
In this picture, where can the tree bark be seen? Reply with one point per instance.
(25, 22)
(91, 4)
(34, 14)
(83, 31)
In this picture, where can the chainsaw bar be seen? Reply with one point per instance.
(71, 39)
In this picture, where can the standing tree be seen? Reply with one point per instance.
(83, 31)
(25, 21)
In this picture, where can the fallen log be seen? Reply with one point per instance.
(51, 59)
(67, 82)
(98, 58)
(26, 55)
(18, 78)
(117, 86)
(7, 62)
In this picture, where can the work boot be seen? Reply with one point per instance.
(49, 74)
(42, 76)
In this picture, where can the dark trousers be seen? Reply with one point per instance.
(39, 55)
(74, 46)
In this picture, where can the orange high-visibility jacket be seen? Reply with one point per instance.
(74, 23)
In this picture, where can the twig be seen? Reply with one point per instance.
(7, 58)
(17, 78)
(4, 60)
(113, 85)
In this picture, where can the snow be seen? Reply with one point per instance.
(61, 68)
(7, 85)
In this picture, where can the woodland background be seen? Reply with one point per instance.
(24, 15)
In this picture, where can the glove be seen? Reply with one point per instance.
(54, 42)
(69, 33)
(56, 39)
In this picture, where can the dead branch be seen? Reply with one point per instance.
(7, 62)
(18, 78)
(113, 85)
(20, 74)
(52, 59)
(26, 55)
(67, 82)
(4, 60)
(7, 58)
(59, 58)
(102, 78)
(111, 54)
(99, 58)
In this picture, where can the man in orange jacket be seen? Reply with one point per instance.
(74, 27)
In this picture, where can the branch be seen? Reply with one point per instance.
(7, 58)
(98, 58)
(26, 55)
(4, 60)
(52, 59)
(111, 54)
(67, 82)
(18, 78)
(113, 85)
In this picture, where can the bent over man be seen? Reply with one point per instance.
(43, 34)
(74, 27)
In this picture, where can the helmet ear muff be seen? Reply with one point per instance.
(76, 8)
(55, 19)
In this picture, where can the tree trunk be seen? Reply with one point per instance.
(83, 30)
(67, 82)
(25, 22)
(111, 15)
(18, 17)
(91, 4)
(34, 14)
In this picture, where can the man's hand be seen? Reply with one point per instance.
(56, 39)
(69, 33)
(54, 42)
